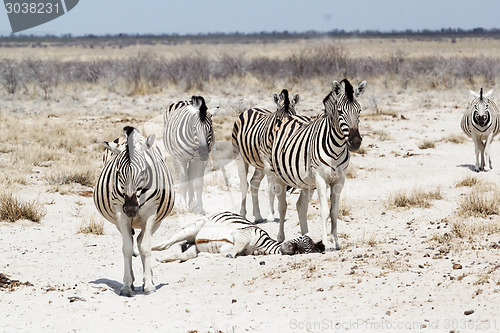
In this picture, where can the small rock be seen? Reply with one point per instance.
(420, 266)
(457, 266)
(234, 300)
(468, 312)
(262, 263)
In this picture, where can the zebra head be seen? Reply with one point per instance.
(480, 107)
(203, 127)
(132, 172)
(286, 107)
(342, 105)
(302, 244)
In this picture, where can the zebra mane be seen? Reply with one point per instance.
(199, 103)
(349, 90)
(481, 94)
(129, 130)
(284, 95)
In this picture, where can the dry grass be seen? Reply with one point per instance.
(416, 197)
(426, 144)
(454, 138)
(479, 203)
(13, 209)
(467, 181)
(92, 226)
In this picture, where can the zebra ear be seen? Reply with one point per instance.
(276, 97)
(111, 146)
(213, 110)
(337, 88)
(296, 98)
(150, 141)
(473, 93)
(360, 89)
(488, 94)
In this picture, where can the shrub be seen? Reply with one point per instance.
(13, 209)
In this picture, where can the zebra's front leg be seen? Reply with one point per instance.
(144, 242)
(335, 190)
(254, 188)
(183, 183)
(125, 228)
(280, 191)
(302, 206)
(242, 173)
(487, 145)
(321, 187)
(479, 150)
(198, 175)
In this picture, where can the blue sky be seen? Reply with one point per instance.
(204, 16)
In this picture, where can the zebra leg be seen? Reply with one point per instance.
(198, 173)
(280, 191)
(487, 156)
(335, 190)
(183, 180)
(323, 207)
(242, 173)
(270, 191)
(190, 253)
(254, 188)
(240, 241)
(302, 205)
(478, 148)
(144, 243)
(127, 248)
(191, 175)
(187, 233)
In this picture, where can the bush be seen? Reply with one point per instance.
(13, 209)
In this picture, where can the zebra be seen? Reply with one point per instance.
(134, 191)
(188, 137)
(231, 235)
(252, 139)
(315, 155)
(113, 148)
(481, 123)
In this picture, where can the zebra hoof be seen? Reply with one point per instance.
(126, 291)
(229, 255)
(149, 290)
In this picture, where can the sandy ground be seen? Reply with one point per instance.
(390, 275)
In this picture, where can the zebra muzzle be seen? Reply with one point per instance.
(131, 206)
(354, 139)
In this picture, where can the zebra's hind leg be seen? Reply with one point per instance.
(190, 253)
(271, 194)
(254, 188)
(242, 173)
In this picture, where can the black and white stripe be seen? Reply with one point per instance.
(134, 191)
(315, 155)
(231, 235)
(252, 137)
(188, 138)
(481, 123)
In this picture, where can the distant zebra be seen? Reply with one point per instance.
(315, 156)
(231, 234)
(134, 191)
(481, 123)
(252, 138)
(188, 136)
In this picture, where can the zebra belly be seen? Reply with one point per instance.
(214, 239)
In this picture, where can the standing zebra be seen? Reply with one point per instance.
(231, 234)
(481, 123)
(134, 191)
(315, 156)
(252, 138)
(188, 136)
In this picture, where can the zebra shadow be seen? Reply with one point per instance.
(116, 286)
(471, 167)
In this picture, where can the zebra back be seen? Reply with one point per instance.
(481, 117)
(155, 186)
(253, 130)
(188, 131)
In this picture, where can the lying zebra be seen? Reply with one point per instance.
(231, 235)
